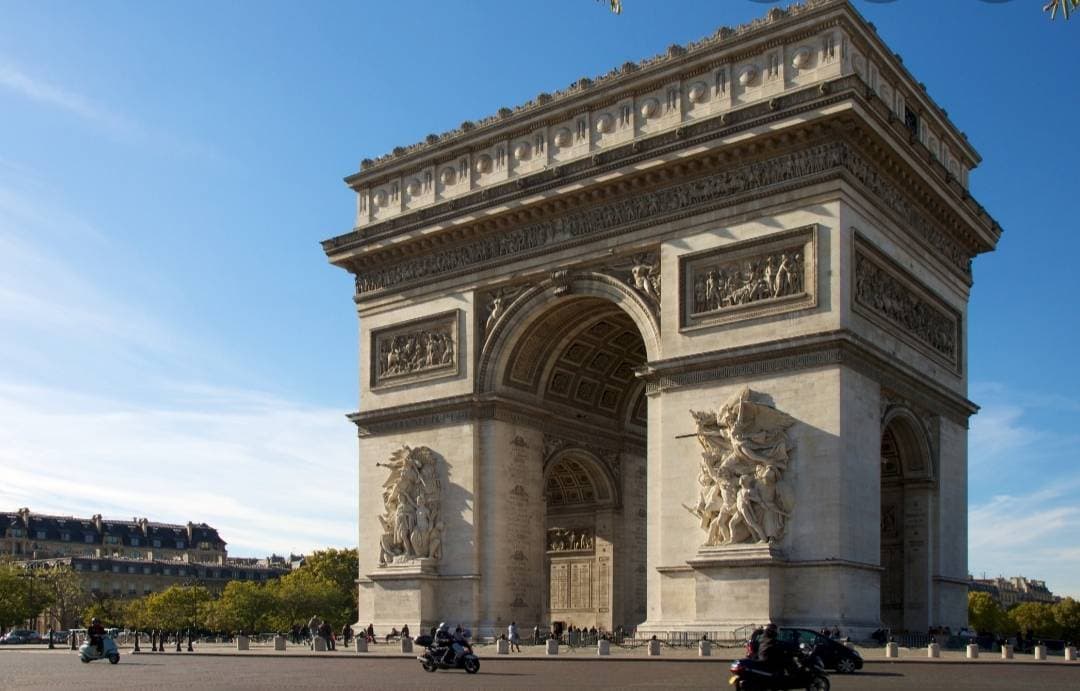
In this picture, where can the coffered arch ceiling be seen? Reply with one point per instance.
(581, 354)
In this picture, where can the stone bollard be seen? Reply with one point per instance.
(553, 646)
(972, 651)
(242, 642)
(361, 644)
(1070, 653)
(1040, 652)
(704, 648)
(654, 647)
(892, 650)
(603, 647)
(502, 647)
(933, 650)
(1006, 652)
(406, 644)
(279, 642)
(319, 644)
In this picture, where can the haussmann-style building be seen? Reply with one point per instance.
(681, 347)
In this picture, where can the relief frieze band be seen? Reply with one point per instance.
(670, 203)
(888, 295)
(415, 351)
(749, 279)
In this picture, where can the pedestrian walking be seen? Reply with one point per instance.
(515, 638)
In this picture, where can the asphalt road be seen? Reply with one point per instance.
(36, 670)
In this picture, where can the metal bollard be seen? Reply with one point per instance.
(136, 648)
(51, 644)
(179, 637)
(72, 636)
(189, 648)
(933, 650)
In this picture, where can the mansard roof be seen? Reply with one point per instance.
(78, 528)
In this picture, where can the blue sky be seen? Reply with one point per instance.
(173, 344)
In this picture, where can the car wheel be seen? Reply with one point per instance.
(845, 665)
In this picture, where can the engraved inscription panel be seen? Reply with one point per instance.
(415, 351)
(560, 585)
(887, 294)
(749, 279)
(581, 585)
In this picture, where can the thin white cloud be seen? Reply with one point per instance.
(57, 96)
(271, 476)
(118, 124)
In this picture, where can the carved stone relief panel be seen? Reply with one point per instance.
(570, 540)
(744, 495)
(886, 294)
(411, 520)
(415, 351)
(749, 279)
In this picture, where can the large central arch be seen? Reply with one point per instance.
(571, 349)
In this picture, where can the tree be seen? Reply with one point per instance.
(67, 595)
(1065, 6)
(24, 594)
(1067, 616)
(1037, 617)
(109, 610)
(340, 567)
(177, 607)
(984, 614)
(243, 606)
(301, 594)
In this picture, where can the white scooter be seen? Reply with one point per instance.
(88, 652)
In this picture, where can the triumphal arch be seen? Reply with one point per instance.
(681, 347)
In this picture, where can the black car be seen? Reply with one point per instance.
(20, 636)
(834, 654)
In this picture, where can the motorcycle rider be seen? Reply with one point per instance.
(444, 641)
(458, 643)
(775, 653)
(96, 632)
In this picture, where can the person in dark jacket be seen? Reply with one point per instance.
(775, 653)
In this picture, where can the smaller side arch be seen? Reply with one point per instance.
(912, 442)
(563, 470)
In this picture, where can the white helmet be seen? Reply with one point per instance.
(442, 626)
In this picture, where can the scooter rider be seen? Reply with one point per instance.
(775, 653)
(96, 632)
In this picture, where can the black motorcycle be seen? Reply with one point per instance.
(435, 657)
(808, 673)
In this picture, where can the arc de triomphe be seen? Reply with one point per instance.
(681, 347)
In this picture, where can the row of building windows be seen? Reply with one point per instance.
(90, 538)
(177, 571)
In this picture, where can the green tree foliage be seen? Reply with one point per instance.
(177, 607)
(1067, 616)
(109, 610)
(68, 597)
(1037, 617)
(985, 615)
(340, 567)
(302, 594)
(23, 594)
(243, 606)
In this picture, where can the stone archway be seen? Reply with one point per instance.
(906, 530)
(573, 358)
